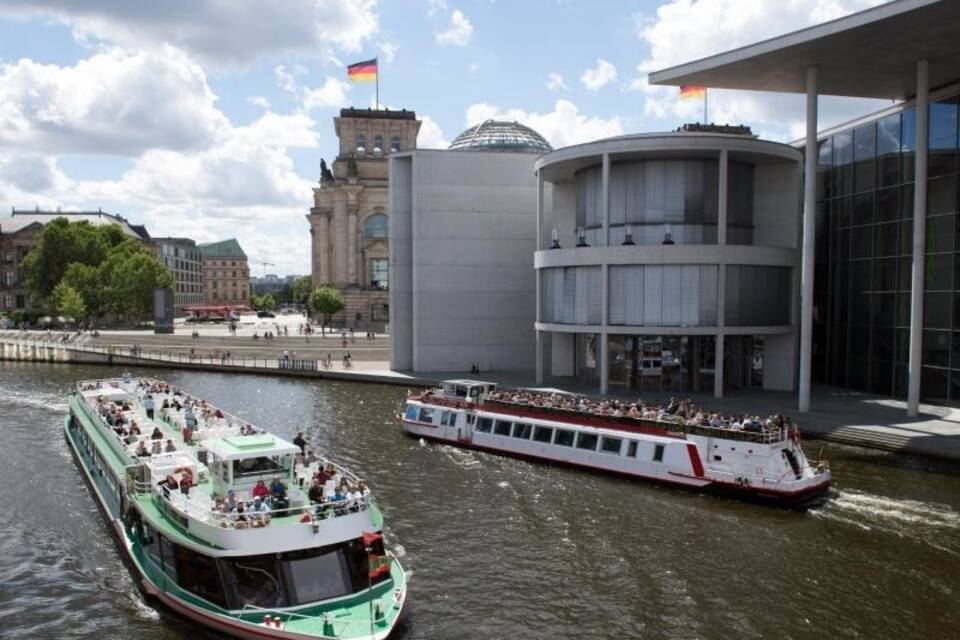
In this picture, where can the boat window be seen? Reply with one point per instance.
(426, 415)
(412, 412)
(587, 441)
(320, 574)
(445, 418)
(166, 554)
(521, 430)
(152, 540)
(484, 425)
(564, 438)
(197, 574)
(279, 465)
(253, 580)
(470, 418)
(543, 434)
(611, 445)
(658, 453)
(632, 449)
(502, 428)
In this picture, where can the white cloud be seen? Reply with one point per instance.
(458, 33)
(555, 82)
(563, 126)
(436, 6)
(333, 93)
(682, 31)
(388, 51)
(596, 78)
(31, 172)
(431, 136)
(259, 101)
(217, 32)
(113, 102)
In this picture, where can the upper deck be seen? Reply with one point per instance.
(205, 476)
(610, 414)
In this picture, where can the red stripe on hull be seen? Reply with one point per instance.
(695, 459)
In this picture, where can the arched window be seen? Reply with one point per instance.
(395, 143)
(378, 144)
(375, 226)
(361, 143)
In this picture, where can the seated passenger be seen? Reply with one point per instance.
(134, 429)
(142, 450)
(261, 490)
(156, 448)
(259, 512)
(239, 517)
(278, 494)
(157, 434)
(170, 447)
(315, 492)
(230, 504)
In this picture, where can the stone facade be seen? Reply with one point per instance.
(226, 274)
(184, 262)
(348, 220)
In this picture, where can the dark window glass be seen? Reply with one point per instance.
(943, 138)
(937, 310)
(253, 580)
(860, 342)
(906, 238)
(842, 212)
(906, 202)
(632, 449)
(933, 385)
(320, 574)
(885, 274)
(883, 343)
(908, 144)
(611, 445)
(587, 441)
(936, 348)
(521, 430)
(940, 233)
(882, 306)
(198, 574)
(885, 243)
(484, 425)
(863, 209)
(881, 379)
(426, 415)
(543, 434)
(888, 150)
(502, 428)
(942, 195)
(864, 153)
(658, 453)
(887, 202)
(843, 163)
(563, 438)
(938, 272)
(824, 162)
(166, 553)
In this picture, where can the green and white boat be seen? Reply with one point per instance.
(293, 564)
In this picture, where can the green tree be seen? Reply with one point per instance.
(88, 282)
(302, 288)
(60, 245)
(130, 275)
(69, 302)
(265, 302)
(326, 301)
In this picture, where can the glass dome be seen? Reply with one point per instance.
(498, 135)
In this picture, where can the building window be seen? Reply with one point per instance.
(379, 273)
(10, 278)
(375, 226)
(378, 144)
(361, 143)
(395, 143)
(380, 312)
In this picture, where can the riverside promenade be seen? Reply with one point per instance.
(838, 415)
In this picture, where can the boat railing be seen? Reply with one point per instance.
(183, 506)
(666, 422)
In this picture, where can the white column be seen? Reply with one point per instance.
(352, 276)
(806, 267)
(718, 358)
(539, 212)
(323, 247)
(604, 338)
(538, 378)
(605, 199)
(919, 240)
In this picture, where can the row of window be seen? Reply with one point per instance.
(563, 437)
(361, 145)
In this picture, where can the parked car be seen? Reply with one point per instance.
(266, 314)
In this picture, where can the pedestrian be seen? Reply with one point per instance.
(301, 442)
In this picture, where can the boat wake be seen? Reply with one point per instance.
(52, 402)
(931, 523)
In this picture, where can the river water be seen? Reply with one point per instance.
(499, 548)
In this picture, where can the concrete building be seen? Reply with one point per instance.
(183, 260)
(271, 284)
(462, 238)
(19, 233)
(666, 262)
(226, 274)
(880, 288)
(348, 220)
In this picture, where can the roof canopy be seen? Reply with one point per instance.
(242, 447)
(223, 249)
(870, 54)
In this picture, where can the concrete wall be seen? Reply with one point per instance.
(776, 205)
(780, 362)
(400, 225)
(473, 235)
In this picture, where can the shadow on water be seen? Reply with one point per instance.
(504, 548)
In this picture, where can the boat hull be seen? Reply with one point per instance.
(230, 626)
(800, 500)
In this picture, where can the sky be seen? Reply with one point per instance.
(208, 118)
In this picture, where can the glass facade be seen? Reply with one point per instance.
(571, 295)
(654, 197)
(864, 247)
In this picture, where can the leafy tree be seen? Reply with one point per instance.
(69, 302)
(61, 244)
(326, 301)
(265, 302)
(302, 288)
(131, 275)
(88, 282)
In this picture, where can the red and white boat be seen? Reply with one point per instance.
(759, 464)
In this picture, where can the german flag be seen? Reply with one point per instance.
(688, 91)
(365, 71)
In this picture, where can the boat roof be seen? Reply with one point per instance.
(240, 447)
(470, 383)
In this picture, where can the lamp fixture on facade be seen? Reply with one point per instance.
(554, 239)
(628, 235)
(581, 237)
(667, 238)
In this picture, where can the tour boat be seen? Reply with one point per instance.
(758, 463)
(280, 566)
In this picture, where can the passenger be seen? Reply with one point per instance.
(300, 442)
(156, 448)
(170, 448)
(261, 490)
(142, 450)
(310, 458)
(134, 429)
(149, 405)
(230, 504)
(259, 513)
(315, 493)
(157, 434)
(278, 494)
(239, 517)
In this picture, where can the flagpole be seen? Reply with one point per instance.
(704, 105)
